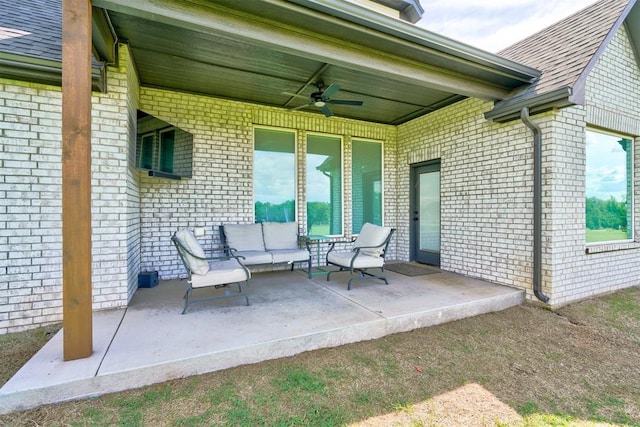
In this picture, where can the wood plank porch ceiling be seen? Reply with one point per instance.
(254, 51)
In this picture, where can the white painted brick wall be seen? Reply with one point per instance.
(31, 207)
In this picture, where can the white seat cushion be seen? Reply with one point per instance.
(244, 237)
(221, 273)
(280, 235)
(343, 259)
(255, 257)
(372, 235)
(186, 239)
(289, 255)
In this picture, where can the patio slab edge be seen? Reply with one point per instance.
(86, 387)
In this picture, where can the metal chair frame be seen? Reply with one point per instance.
(222, 257)
(363, 273)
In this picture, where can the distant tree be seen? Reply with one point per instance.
(606, 214)
(269, 212)
(317, 213)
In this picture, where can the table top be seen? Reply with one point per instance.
(316, 237)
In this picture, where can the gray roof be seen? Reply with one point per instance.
(40, 22)
(31, 43)
(564, 53)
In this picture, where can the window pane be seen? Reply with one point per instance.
(366, 181)
(324, 185)
(430, 211)
(167, 142)
(146, 152)
(609, 187)
(274, 176)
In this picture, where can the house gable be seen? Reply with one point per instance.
(612, 94)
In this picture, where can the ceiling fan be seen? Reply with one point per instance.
(321, 98)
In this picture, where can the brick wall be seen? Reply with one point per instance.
(486, 190)
(221, 188)
(31, 207)
(487, 187)
(612, 103)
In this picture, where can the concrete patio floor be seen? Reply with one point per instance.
(150, 341)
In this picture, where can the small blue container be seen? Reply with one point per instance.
(148, 279)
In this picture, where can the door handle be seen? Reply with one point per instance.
(415, 218)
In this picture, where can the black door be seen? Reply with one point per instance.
(425, 213)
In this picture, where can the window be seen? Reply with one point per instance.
(366, 181)
(146, 151)
(167, 143)
(324, 185)
(274, 175)
(162, 147)
(609, 187)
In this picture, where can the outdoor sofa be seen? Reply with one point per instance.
(264, 244)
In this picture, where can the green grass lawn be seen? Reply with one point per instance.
(605, 235)
(319, 230)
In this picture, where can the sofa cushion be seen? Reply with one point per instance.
(221, 273)
(362, 260)
(280, 235)
(186, 239)
(289, 255)
(372, 236)
(244, 237)
(254, 257)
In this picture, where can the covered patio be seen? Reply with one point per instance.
(150, 341)
(219, 71)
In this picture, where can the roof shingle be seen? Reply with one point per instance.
(563, 51)
(32, 28)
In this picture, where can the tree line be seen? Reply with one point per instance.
(606, 214)
(317, 212)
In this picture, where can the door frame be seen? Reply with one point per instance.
(413, 241)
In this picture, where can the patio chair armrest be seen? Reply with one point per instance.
(228, 249)
(306, 241)
(341, 241)
(218, 249)
(231, 253)
(332, 245)
(221, 257)
(366, 247)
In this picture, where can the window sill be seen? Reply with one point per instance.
(597, 248)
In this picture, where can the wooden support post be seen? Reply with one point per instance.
(76, 179)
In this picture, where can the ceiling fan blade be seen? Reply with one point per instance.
(299, 107)
(333, 88)
(295, 94)
(325, 109)
(345, 102)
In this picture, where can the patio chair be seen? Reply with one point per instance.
(367, 252)
(217, 271)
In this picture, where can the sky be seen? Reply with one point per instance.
(606, 171)
(492, 25)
